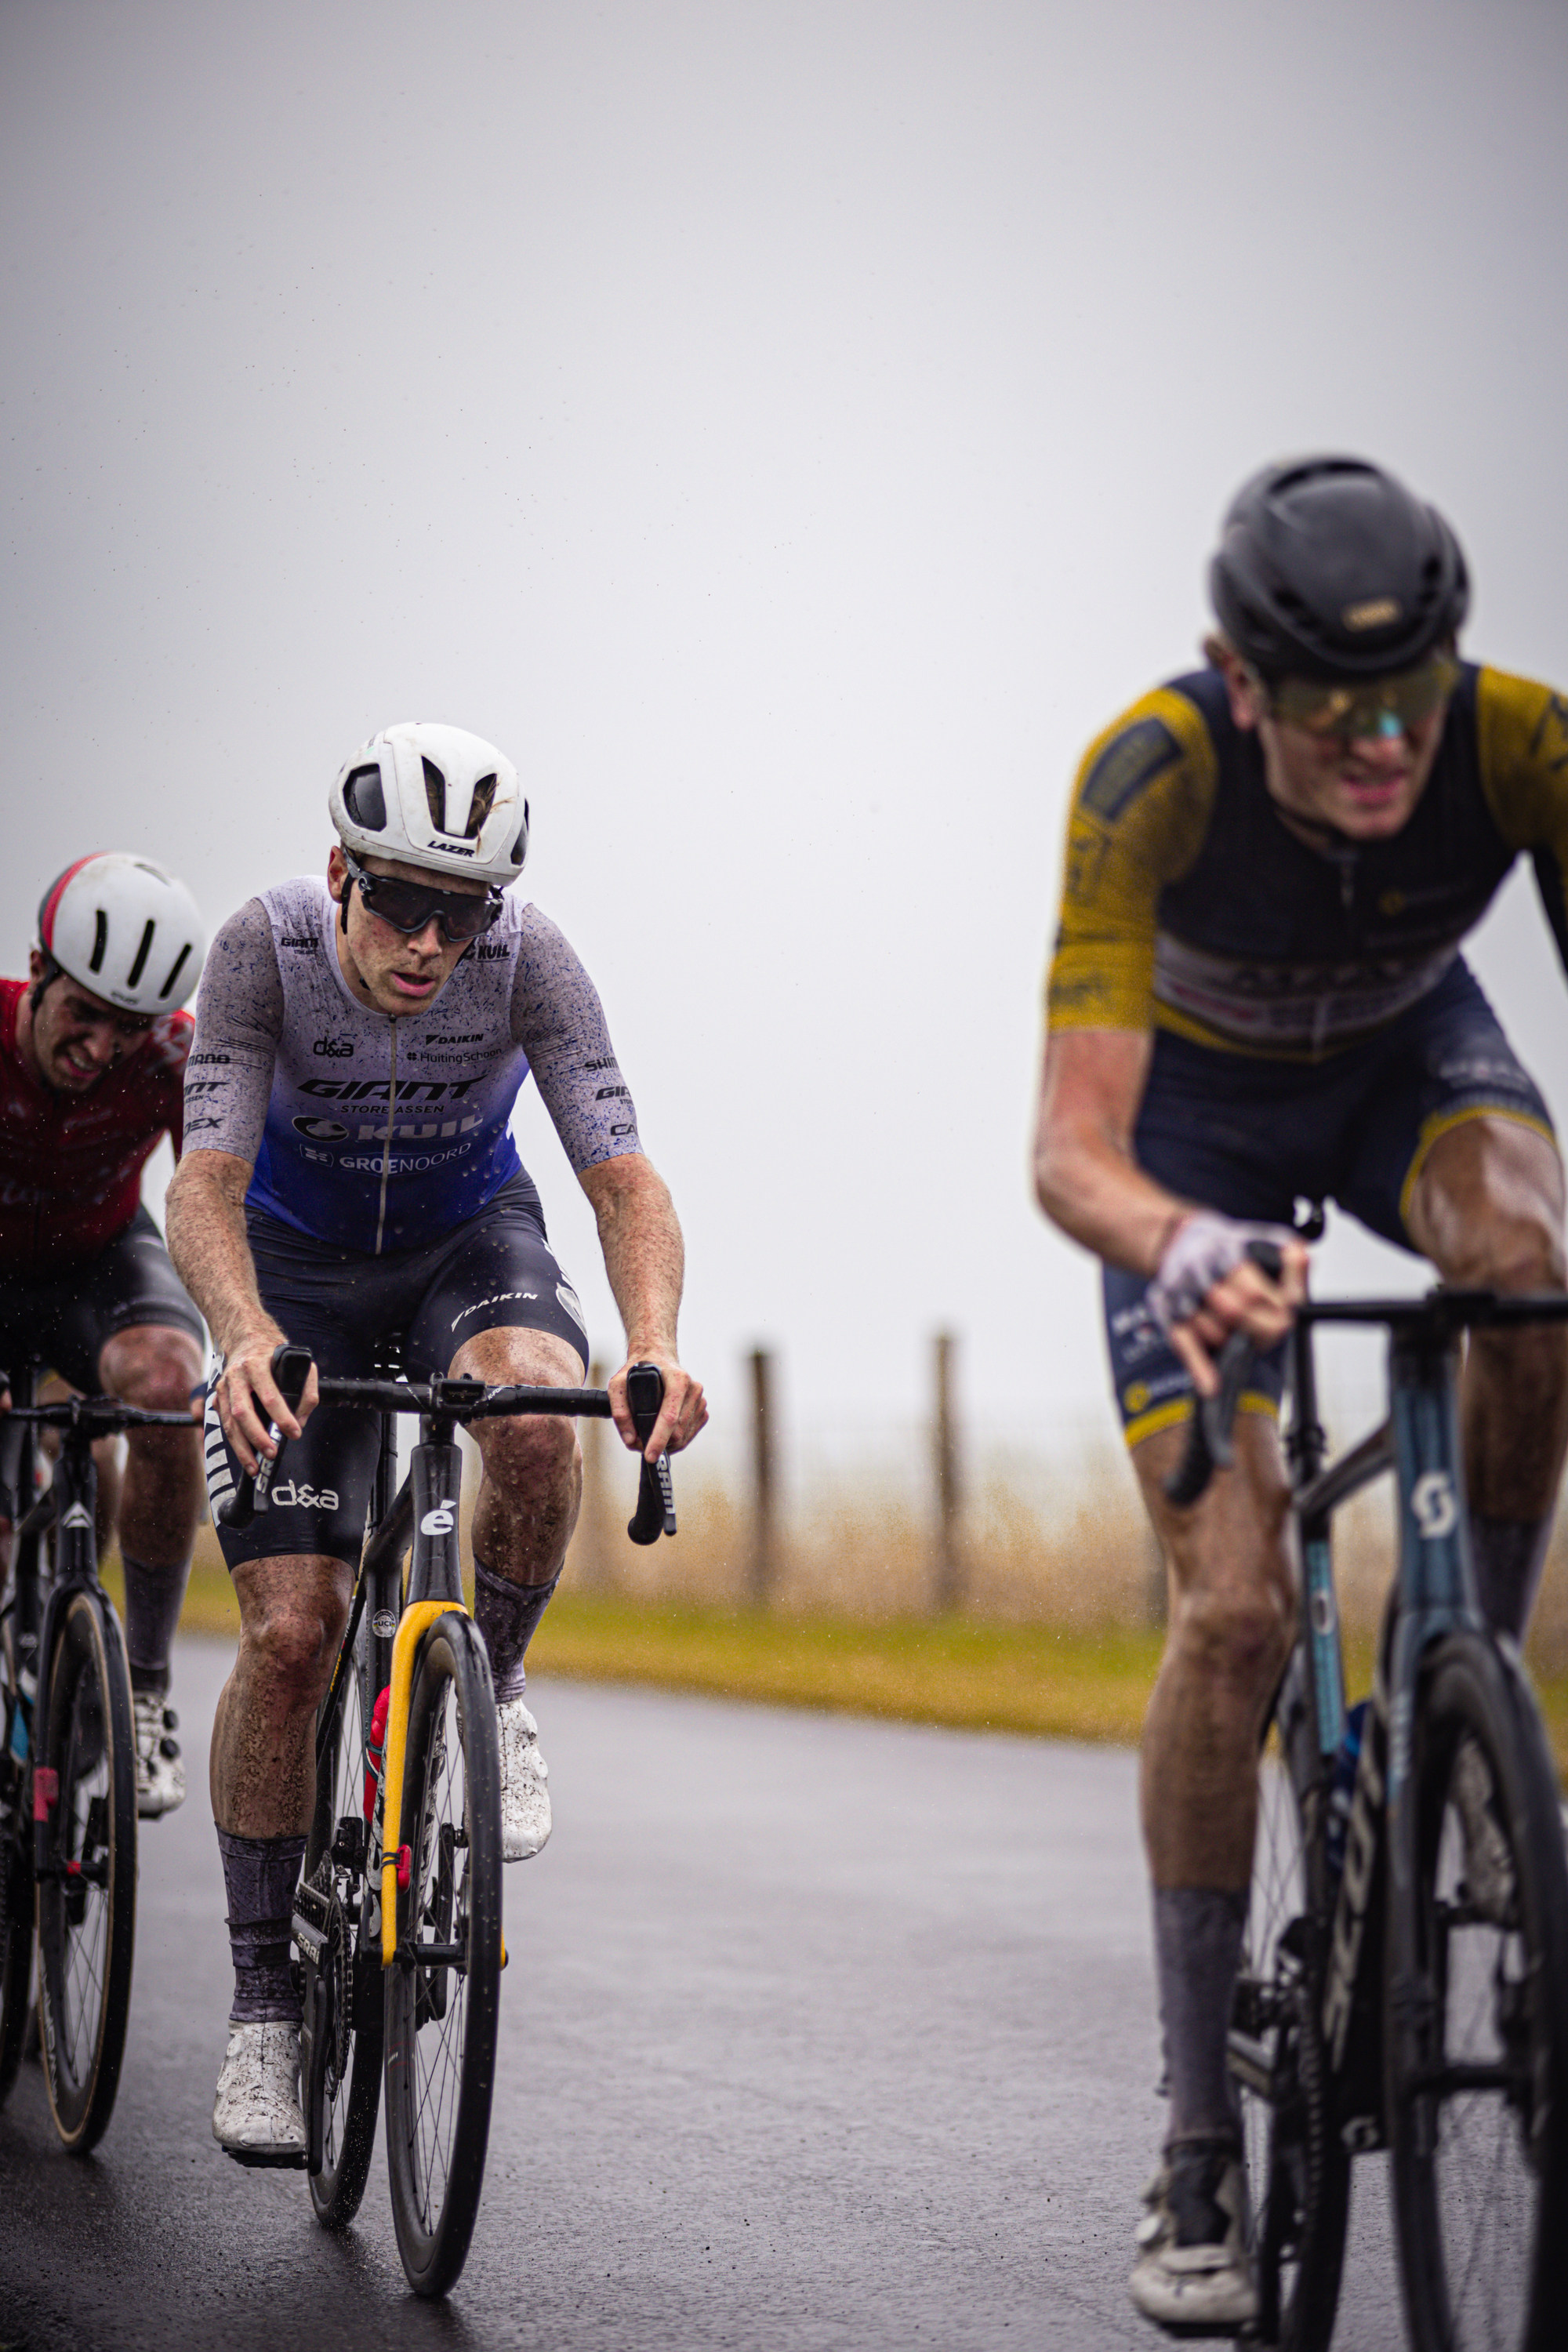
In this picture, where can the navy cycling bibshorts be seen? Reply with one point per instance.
(494, 1270)
(1250, 1137)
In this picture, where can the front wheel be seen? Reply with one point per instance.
(16, 1902)
(86, 1892)
(1298, 2171)
(443, 1991)
(1477, 2021)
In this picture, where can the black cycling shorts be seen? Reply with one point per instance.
(1250, 1137)
(494, 1271)
(64, 1319)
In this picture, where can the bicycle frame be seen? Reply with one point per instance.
(1433, 1595)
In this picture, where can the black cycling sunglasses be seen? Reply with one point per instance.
(409, 906)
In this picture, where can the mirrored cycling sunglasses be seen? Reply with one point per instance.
(1382, 707)
(408, 906)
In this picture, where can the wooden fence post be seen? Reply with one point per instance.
(1157, 1588)
(949, 1563)
(764, 1485)
(590, 1545)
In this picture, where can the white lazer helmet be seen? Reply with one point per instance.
(434, 797)
(124, 929)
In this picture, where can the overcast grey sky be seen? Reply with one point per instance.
(791, 431)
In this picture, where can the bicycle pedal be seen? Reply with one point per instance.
(257, 2160)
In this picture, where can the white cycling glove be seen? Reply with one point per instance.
(1202, 1251)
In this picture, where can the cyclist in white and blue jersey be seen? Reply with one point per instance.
(350, 1179)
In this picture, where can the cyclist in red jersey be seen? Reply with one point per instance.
(92, 1059)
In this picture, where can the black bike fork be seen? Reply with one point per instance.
(74, 1496)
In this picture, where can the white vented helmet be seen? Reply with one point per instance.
(434, 797)
(126, 929)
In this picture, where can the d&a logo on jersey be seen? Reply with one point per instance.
(290, 1496)
(336, 1049)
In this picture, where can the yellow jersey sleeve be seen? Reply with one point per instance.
(1522, 738)
(1140, 807)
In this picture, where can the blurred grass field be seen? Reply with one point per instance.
(1058, 1638)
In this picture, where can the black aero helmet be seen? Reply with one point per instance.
(1329, 568)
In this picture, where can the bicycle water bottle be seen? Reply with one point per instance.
(1342, 1789)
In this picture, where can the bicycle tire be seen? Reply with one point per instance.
(1477, 1979)
(1298, 2169)
(87, 1906)
(342, 2078)
(441, 2021)
(15, 1885)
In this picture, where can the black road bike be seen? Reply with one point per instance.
(397, 1916)
(1405, 1980)
(67, 1773)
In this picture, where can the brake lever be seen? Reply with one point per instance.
(291, 1370)
(655, 1513)
(1211, 1444)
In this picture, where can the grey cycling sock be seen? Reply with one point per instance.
(1197, 1945)
(153, 1600)
(1509, 1555)
(507, 1615)
(261, 1875)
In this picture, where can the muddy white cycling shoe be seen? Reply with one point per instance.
(1192, 2275)
(524, 1783)
(160, 1769)
(257, 2116)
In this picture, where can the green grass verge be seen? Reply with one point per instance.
(1035, 1679)
(953, 1670)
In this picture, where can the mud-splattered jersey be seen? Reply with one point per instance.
(1188, 904)
(71, 1164)
(378, 1134)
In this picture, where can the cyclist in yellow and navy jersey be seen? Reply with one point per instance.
(1257, 995)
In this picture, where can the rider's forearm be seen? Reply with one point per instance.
(205, 1214)
(644, 1256)
(1088, 1184)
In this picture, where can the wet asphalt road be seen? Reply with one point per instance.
(816, 2033)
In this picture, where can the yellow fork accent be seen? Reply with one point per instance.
(415, 1618)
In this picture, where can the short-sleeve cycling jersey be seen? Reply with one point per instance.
(1189, 905)
(71, 1164)
(377, 1133)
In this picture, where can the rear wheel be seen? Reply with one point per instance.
(443, 1993)
(1298, 2171)
(87, 1896)
(341, 2046)
(1477, 2021)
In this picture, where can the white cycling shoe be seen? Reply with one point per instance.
(1192, 2274)
(257, 2116)
(524, 1783)
(160, 1769)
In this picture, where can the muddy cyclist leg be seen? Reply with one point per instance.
(1486, 1208)
(1232, 1614)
